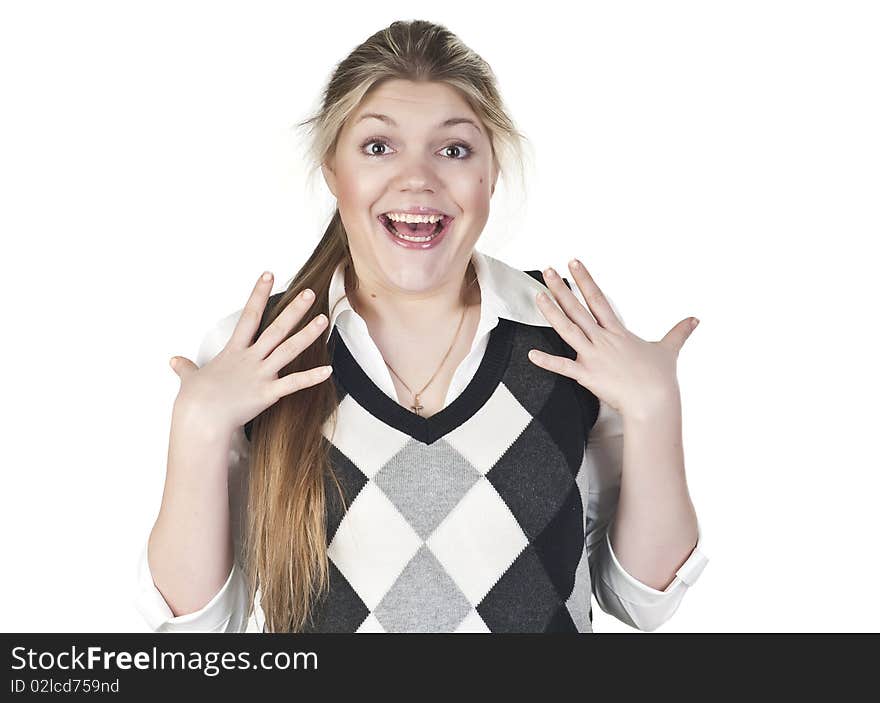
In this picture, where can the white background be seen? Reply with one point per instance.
(714, 159)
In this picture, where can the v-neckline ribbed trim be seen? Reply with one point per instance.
(427, 430)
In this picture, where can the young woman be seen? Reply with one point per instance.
(412, 437)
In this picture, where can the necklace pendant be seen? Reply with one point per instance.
(417, 407)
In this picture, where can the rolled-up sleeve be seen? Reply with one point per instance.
(227, 611)
(618, 592)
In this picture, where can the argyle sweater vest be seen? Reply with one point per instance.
(470, 520)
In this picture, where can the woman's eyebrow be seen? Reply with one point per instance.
(451, 122)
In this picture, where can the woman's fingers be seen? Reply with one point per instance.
(182, 366)
(570, 331)
(275, 346)
(595, 298)
(280, 327)
(298, 380)
(249, 321)
(569, 303)
(291, 348)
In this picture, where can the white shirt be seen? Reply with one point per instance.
(505, 292)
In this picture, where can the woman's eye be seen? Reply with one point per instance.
(459, 146)
(377, 143)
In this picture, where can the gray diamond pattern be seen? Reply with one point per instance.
(426, 482)
(423, 599)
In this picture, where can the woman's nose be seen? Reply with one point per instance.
(416, 173)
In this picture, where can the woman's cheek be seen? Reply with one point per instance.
(475, 197)
(358, 185)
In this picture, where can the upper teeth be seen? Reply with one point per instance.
(406, 217)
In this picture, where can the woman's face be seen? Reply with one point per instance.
(409, 159)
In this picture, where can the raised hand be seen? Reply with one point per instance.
(242, 379)
(632, 375)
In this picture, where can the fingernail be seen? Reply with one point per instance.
(575, 263)
(550, 273)
(308, 294)
(694, 322)
(266, 276)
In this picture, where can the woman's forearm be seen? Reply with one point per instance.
(190, 550)
(655, 529)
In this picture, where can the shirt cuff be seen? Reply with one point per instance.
(223, 613)
(630, 589)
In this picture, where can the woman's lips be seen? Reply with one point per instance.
(406, 244)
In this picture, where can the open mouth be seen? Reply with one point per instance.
(415, 231)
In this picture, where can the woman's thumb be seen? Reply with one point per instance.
(182, 366)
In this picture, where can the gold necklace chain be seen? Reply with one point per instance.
(417, 407)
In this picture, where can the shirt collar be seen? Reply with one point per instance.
(505, 292)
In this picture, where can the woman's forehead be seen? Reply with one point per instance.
(396, 101)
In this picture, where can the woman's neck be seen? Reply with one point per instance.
(415, 317)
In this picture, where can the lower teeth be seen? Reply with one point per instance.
(415, 239)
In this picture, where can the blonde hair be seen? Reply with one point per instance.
(291, 481)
